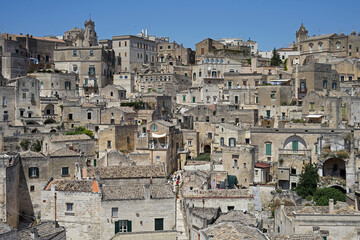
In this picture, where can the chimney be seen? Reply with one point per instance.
(331, 206)
(147, 193)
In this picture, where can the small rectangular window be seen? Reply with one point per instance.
(65, 171)
(75, 53)
(108, 144)
(159, 224)
(69, 207)
(114, 212)
(33, 172)
(24, 95)
(235, 163)
(70, 116)
(91, 52)
(89, 115)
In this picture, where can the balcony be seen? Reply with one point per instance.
(210, 77)
(91, 73)
(300, 152)
(158, 146)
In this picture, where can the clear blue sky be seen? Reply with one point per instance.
(270, 23)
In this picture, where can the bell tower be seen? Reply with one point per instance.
(301, 34)
(90, 38)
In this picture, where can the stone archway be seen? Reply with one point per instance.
(49, 121)
(207, 149)
(49, 109)
(334, 167)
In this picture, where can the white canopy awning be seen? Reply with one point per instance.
(314, 116)
(154, 135)
(280, 80)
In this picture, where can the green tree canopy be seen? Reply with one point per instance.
(81, 130)
(309, 179)
(323, 195)
(275, 60)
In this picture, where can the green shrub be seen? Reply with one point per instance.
(309, 198)
(36, 147)
(25, 145)
(323, 195)
(81, 130)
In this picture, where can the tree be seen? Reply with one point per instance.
(323, 195)
(309, 179)
(275, 60)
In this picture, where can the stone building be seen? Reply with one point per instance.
(243, 80)
(328, 45)
(118, 115)
(225, 199)
(8, 103)
(27, 100)
(127, 81)
(58, 85)
(78, 113)
(162, 140)
(14, 193)
(137, 208)
(38, 169)
(117, 137)
(210, 69)
(168, 84)
(113, 93)
(94, 66)
(288, 150)
(175, 53)
(75, 205)
(331, 222)
(159, 102)
(13, 58)
(348, 69)
(81, 143)
(203, 95)
(82, 38)
(132, 52)
(315, 76)
(210, 46)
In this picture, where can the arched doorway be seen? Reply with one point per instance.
(49, 121)
(338, 188)
(334, 167)
(49, 109)
(207, 149)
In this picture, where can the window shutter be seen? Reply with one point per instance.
(128, 226)
(268, 149)
(37, 172)
(295, 145)
(94, 162)
(117, 226)
(29, 172)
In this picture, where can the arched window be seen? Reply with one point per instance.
(320, 44)
(153, 127)
(222, 141)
